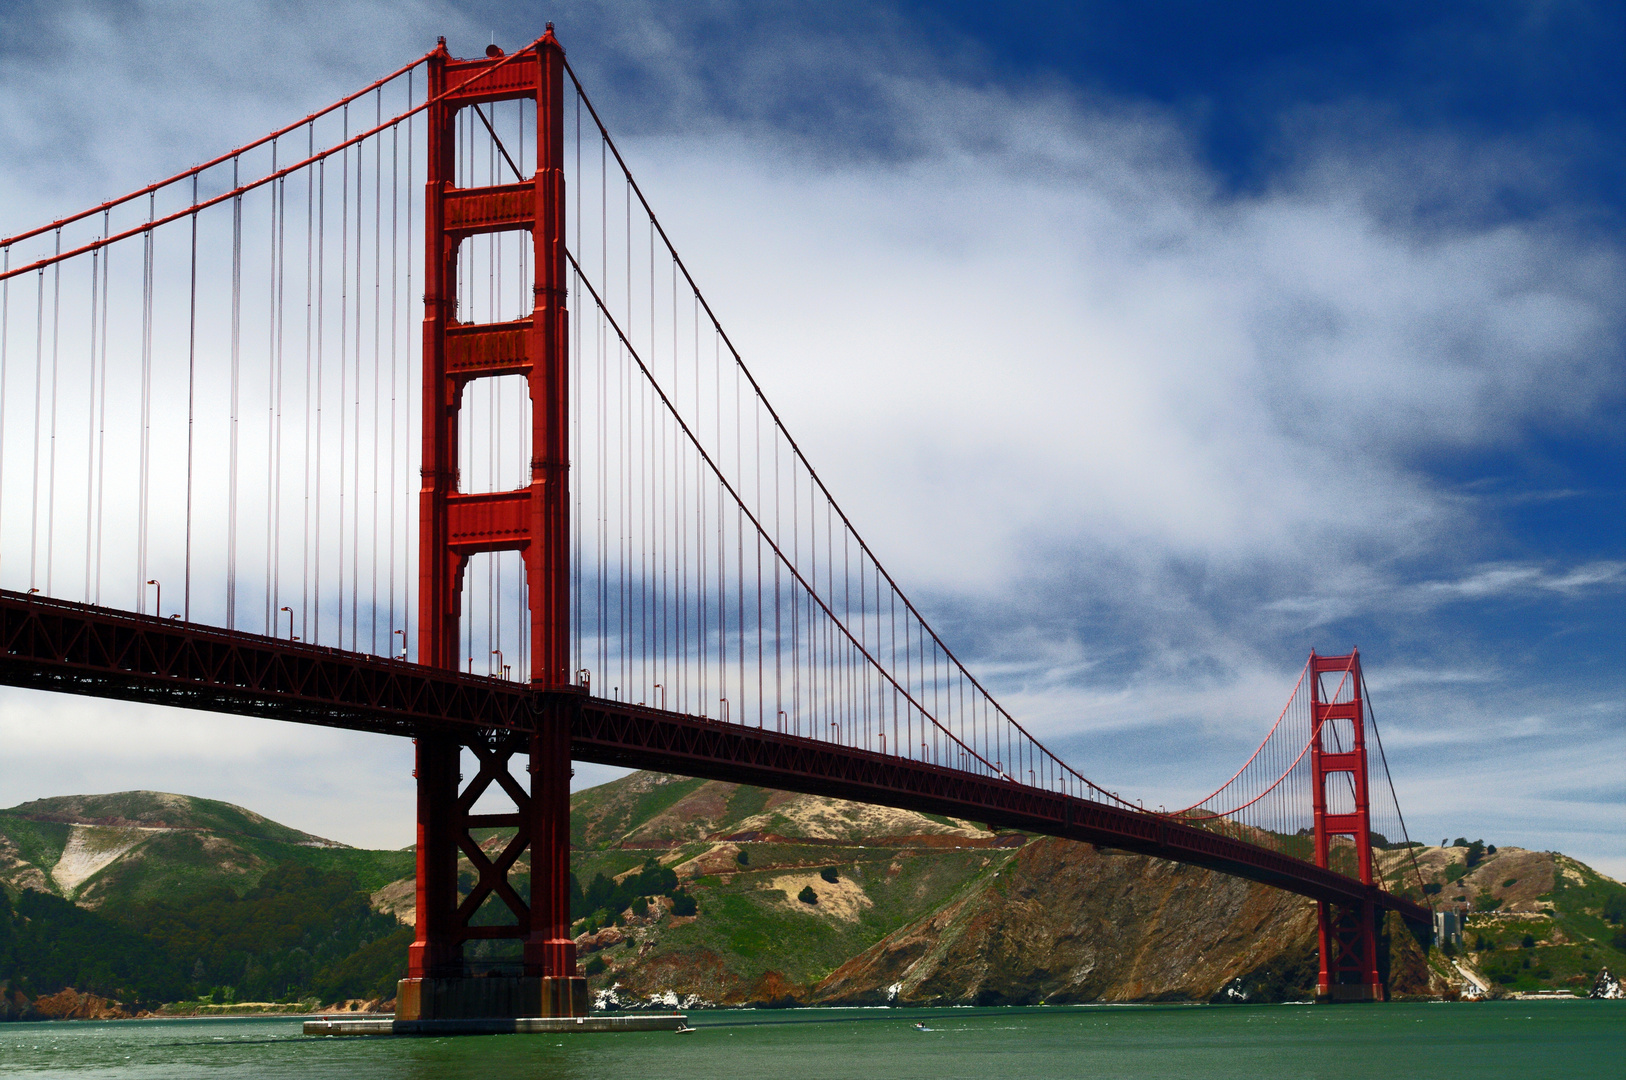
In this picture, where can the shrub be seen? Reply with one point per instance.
(605, 895)
(1487, 902)
(829, 874)
(807, 895)
(1490, 850)
(640, 906)
(1459, 842)
(1432, 888)
(743, 857)
(1510, 882)
(595, 965)
(1528, 941)
(1481, 943)
(1614, 907)
(1476, 852)
(683, 904)
(1619, 940)
(1455, 871)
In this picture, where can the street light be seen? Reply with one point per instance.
(290, 612)
(158, 597)
(498, 654)
(403, 643)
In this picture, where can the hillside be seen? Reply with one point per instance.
(138, 846)
(922, 910)
(931, 910)
(698, 892)
(150, 899)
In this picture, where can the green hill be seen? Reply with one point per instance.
(131, 847)
(694, 892)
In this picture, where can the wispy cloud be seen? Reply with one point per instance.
(1137, 441)
(1504, 579)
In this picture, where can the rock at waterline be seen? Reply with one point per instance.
(1606, 986)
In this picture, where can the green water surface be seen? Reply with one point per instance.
(1500, 1039)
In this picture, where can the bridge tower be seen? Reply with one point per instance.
(533, 520)
(1347, 934)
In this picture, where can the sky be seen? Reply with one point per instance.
(1150, 345)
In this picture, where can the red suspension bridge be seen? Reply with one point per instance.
(617, 552)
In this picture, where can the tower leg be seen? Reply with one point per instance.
(436, 953)
(1323, 985)
(1349, 954)
(550, 953)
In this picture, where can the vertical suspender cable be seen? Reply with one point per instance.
(191, 367)
(236, 359)
(101, 408)
(378, 310)
(281, 195)
(344, 357)
(315, 604)
(271, 447)
(146, 404)
(90, 419)
(50, 483)
(355, 457)
(305, 425)
(406, 504)
(395, 266)
(34, 469)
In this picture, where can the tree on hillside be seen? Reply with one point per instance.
(807, 895)
(611, 897)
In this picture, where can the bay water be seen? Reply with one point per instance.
(1542, 1039)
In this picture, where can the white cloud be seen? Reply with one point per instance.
(1051, 369)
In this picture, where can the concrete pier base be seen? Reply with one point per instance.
(523, 1025)
(502, 997)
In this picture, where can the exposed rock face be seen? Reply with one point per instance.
(70, 1004)
(1606, 986)
(1066, 922)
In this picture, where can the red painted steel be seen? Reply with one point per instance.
(534, 520)
(77, 648)
(81, 649)
(1346, 932)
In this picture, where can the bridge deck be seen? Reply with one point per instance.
(51, 644)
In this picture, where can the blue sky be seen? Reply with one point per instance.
(1152, 345)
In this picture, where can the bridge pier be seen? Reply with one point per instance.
(533, 520)
(1349, 953)
(440, 985)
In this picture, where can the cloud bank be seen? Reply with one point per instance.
(1135, 439)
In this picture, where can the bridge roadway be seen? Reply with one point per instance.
(59, 645)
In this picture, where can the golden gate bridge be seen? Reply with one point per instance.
(215, 391)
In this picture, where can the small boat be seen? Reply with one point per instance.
(921, 1026)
